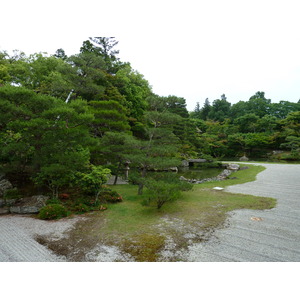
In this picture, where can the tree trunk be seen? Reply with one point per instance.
(117, 173)
(140, 191)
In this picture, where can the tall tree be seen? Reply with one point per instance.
(160, 148)
(220, 109)
(104, 47)
(109, 116)
(196, 113)
(259, 104)
(39, 131)
(205, 109)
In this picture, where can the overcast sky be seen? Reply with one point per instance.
(191, 49)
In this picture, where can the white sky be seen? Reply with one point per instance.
(191, 49)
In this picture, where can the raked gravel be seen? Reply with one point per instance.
(259, 235)
(17, 238)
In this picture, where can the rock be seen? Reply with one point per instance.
(224, 174)
(233, 167)
(10, 202)
(244, 158)
(4, 210)
(4, 186)
(244, 168)
(183, 178)
(188, 162)
(185, 163)
(29, 205)
(24, 209)
(2, 202)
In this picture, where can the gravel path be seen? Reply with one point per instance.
(17, 233)
(264, 235)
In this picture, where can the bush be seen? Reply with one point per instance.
(110, 196)
(81, 208)
(52, 212)
(53, 201)
(90, 202)
(12, 194)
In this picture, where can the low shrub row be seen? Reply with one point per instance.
(60, 208)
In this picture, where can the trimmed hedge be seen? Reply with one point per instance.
(52, 212)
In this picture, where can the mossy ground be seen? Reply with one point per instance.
(143, 231)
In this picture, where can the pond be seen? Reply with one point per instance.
(199, 173)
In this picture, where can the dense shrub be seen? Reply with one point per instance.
(12, 194)
(90, 202)
(81, 208)
(110, 196)
(53, 201)
(53, 211)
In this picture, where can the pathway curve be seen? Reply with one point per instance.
(264, 235)
(17, 238)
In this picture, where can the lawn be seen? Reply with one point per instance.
(145, 232)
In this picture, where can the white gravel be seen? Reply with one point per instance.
(259, 235)
(17, 238)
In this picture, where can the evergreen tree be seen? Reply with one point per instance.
(205, 110)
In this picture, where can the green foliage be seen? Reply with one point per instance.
(52, 212)
(110, 116)
(53, 201)
(81, 208)
(164, 188)
(63, 171)
(89, 201)
(219, 110)
(109, 196)
(91, 182)
(12, 194)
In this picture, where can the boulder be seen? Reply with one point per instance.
(29, 205)
(4, 186)
(244, 158)
(224, 174)
(233, 167)
(4, 210)
(10, 202)
(185, 163)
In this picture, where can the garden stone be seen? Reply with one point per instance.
(233, 167)
(224, 174)
(10, 202)
(185, 163)
(29, 205)
(4, 210)
(244, 168)
(244, 158)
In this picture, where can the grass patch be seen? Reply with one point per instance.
(144, 231)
